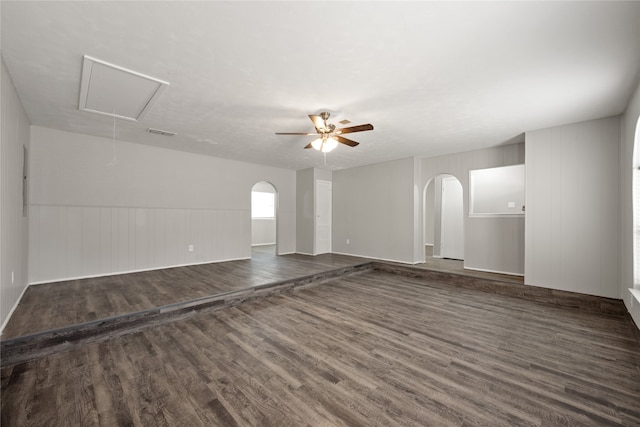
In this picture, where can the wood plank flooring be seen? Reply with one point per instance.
(457, 266)
(34, 346)
(365, 350)
(54, 305)
(61, 304)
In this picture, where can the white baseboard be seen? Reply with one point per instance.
(117, 273)
(378, 259)
(263, 244)
(494, 271)
(632, 302)
(4, 324)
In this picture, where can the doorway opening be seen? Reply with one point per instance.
(264, 220)
(444, 222)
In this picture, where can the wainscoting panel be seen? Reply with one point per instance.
(495, 244)
(80, 241)
(573, 208)
(15, 136)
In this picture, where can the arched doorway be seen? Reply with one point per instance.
(264, 220)
(444, 218)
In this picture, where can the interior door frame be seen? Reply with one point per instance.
(446, 217)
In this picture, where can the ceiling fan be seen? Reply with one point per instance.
(328, 136)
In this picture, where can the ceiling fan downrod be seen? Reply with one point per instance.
(328, 128)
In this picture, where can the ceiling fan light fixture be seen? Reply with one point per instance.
(329, 145)
(317, 143)
(324, 144)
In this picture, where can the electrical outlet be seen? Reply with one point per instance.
(12, 277)
(190, 248)
(348, 241)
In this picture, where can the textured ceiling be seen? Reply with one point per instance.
(433, 78)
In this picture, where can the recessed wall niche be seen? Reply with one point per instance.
(497, 191)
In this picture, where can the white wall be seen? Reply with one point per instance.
(573, 207)
(14, 136)
(379, 208)
(487, 240)
(373, 207)
(305, 211)
(306, 208)
(429, 213)
(629, 123)
(92, 218)
(263, 231)
(417, 233)
(499, 244)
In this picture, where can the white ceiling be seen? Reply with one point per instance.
(433, 78)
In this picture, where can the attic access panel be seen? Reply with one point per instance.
(115, 91)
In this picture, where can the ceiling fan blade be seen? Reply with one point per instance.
(308, 145)
(318, 122)
(359, 128)
(345, 141)
(296, 133)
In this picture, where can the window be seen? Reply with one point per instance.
(636, 208)
(636, 227)
(263, 205)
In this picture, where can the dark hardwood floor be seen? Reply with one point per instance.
(73, 302)
(54, 305)
(365, 350)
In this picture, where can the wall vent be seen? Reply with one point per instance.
(161, 132)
